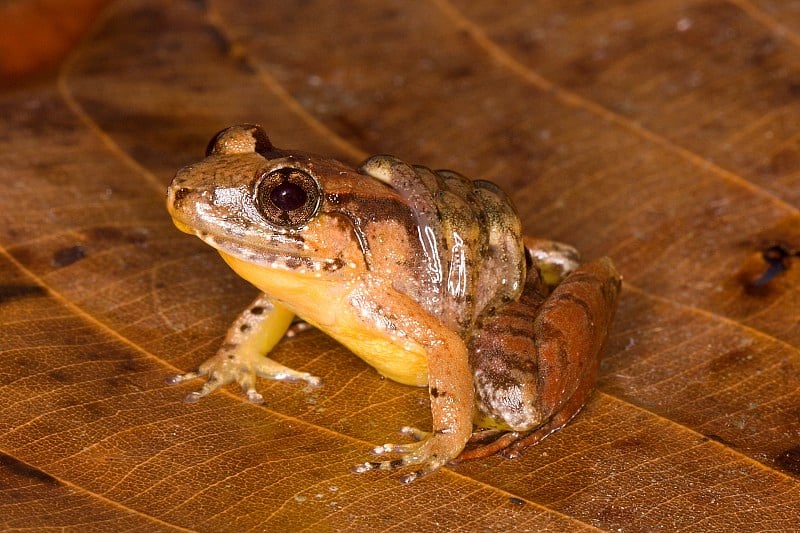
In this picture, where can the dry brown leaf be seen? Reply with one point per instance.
(666, 134)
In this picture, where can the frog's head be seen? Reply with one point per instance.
(275, 209)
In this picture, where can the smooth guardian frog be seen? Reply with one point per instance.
(423, 274)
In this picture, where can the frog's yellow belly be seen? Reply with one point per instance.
(407, 365)
(323, 304)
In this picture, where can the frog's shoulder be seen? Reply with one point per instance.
(470, 234)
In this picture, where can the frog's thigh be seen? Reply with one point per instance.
(571, 333)
(568, 337)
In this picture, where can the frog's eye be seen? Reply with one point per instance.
(288, 197)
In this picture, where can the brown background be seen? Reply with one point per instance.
(664, 134)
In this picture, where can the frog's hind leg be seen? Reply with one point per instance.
(510, 444)
(554, 260)
(567, 338)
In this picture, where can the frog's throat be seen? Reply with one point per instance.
(321, 303)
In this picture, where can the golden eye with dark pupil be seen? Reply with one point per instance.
(287, 197)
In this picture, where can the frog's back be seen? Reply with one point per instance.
(471, 239)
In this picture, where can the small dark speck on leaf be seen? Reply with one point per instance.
(721, 440)
(59, 376)
(794, 88)
(789, 460)
(516, 501)
(128, 366)
(69, 255)
(731, 359)
(778, 259)
(12, 292)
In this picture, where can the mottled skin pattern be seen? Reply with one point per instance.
(472, 253)
(423, 274)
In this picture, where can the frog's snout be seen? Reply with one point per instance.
(175, 196)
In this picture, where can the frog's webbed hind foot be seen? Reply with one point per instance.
(554, 260)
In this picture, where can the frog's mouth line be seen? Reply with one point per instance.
(282, 258)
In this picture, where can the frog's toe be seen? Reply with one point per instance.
(293, 375)
(417, 434)
(394, 448)
(427, 454)
(242, 368)
(215, 381)
(427, 466)
(180, 378)
(414, 433)
(246, 381)
(207, 388)
(245, 377)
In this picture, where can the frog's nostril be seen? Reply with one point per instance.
(179, 195)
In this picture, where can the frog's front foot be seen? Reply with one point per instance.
(431, 452)
(229, 366)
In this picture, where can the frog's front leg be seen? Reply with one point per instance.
(242, 355)
(449, 386)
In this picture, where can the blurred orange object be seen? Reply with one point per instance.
(36, 34)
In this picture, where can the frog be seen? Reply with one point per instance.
(423, 274)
